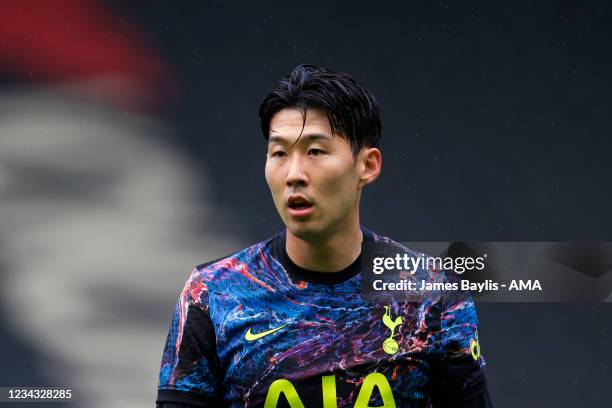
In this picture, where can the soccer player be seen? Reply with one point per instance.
(284, 323)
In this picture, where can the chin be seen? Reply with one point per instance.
(305, 232)
(308, 231)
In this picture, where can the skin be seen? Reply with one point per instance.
(320, 166)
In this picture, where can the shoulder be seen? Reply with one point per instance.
(381, 241)
(237, 260)
(222, 269)
(402, 258)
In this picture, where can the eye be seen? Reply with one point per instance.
(278, 153)
(316, 152)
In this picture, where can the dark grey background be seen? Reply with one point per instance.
(496, 127)
(496, 115)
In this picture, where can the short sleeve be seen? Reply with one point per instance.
(457, 364)
(459, 328)
(190, 370)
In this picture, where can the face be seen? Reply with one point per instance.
(315, 181)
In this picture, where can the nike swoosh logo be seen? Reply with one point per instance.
(249, 336)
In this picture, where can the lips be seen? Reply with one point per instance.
(299, 206)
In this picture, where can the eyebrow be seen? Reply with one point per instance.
(310, 136)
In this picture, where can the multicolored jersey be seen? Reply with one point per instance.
(255, 330)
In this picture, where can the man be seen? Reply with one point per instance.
(284, 322)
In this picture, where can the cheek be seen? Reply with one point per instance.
(341, 191)
(269, 173)
(274, 182)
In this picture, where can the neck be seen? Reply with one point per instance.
(331, 254)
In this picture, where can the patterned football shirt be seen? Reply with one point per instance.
(255, 330)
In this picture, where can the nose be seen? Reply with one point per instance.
(296, 176)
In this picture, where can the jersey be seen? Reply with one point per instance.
(255, 330)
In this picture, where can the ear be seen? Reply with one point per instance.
(370, 163)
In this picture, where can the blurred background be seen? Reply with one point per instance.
(130, 151)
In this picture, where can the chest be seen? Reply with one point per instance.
(319, 343)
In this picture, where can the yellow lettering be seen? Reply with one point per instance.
(329, 391)
(285, 387)
(365, 393)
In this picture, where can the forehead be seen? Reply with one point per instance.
(287, 124)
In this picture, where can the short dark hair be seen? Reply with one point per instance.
(351, 109)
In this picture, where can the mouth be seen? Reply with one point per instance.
(299, 206)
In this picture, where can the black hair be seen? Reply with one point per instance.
(351, 109)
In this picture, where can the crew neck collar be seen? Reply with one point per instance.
(297, 273)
